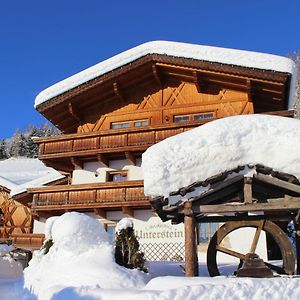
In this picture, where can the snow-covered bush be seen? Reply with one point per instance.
(81, 255)
(127, 252)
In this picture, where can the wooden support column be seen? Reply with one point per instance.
(191, 258)
(297, 228)
(128, 211)
(248, 190)
(100, 212)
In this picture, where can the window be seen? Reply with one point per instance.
(117, 176)
(205, 116)
(141, 123)
(129, 124)
(206, 231)
(180, 119)
(120, 125)
(194, 117)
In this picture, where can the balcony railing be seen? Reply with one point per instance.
(89, 196)
(133, 139)
(24, 240)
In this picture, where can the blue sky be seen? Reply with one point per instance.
(43, 42)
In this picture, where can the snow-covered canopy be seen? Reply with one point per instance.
(18, 174)
(206, 53)
(220, 146)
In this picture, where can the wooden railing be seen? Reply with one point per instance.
(85, 196)
(108, 141)
(24, 240)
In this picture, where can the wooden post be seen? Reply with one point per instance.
(191, 261)
(297, 229)
(248, 190)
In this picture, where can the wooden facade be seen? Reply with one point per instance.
(120, 114)
(16, 223)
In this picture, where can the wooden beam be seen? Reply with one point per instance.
(191, 261)
(279, 204)
(128, 211)
(249, 90)
(241, 217)
(197, 81)
(74, 112)
(278, 183)
(102, 159)
(100, 212)
(58, 165)
(156, 75)
(118, 92)
(130, 157)
(76, 162)
(248, 190)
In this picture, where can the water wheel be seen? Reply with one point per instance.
(218, 244)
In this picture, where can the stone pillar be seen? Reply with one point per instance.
(191, 258)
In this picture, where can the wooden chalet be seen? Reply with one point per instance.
(111, 113)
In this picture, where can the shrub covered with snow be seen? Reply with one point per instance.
(127, 251)
(81, 255)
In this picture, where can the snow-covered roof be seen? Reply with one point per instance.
(219, 146)
(18, 174)
(206, 53)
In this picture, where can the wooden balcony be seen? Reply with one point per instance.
(63, 152)
(89, 197)
(28, 241)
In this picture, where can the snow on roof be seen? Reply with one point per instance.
(207, 53)
(219, 146)
(17, 174)
(7, 183)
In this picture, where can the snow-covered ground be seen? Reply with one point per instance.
(80, 265)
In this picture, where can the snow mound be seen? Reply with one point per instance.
(221, 145)
(78, 233)
(123, 224)
(80, 256)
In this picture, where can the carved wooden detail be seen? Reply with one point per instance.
(179, 96)
(17, 218)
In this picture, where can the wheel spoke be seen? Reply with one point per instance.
(230, 252)
(256, 237)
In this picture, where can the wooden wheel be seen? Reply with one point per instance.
(217, 244)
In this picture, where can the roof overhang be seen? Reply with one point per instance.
(269, 89)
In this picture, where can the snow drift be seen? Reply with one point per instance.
(221, 145)
(81, 255)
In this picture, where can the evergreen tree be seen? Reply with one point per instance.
(3, 153)
(17, 145)
(32, 148)
(22, 144)
(127, 252)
